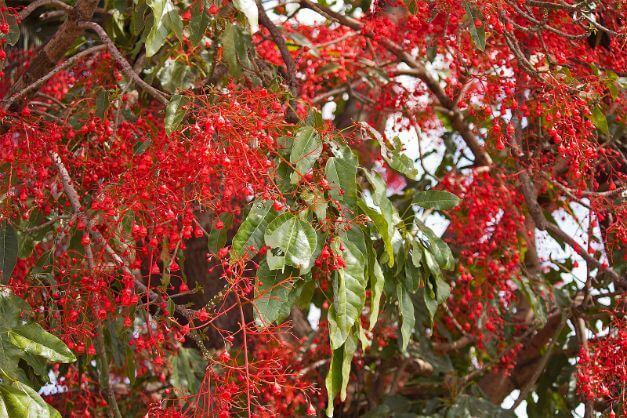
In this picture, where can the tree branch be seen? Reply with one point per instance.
(56, 48)
(482, 158)
(154, 297)
(66, 64)
(531, 199)
(290, 66)
(539, 368)
(127, 69)
(26, 11)
(101, 352)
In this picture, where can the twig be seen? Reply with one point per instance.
(66, 64)
(482, 158)
(127, 69)
(70, 191)
(290, 66)
(246, 360)
(103, 361)
(462, 342)
(582, 335)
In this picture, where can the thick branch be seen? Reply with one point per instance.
(56, 48)
(537, 372)
(26, 11)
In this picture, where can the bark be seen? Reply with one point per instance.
(56, 48)
(497, 385)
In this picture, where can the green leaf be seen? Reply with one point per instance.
(235, 47)
(306, 149)
(436, 290)
(11, 307)
(33, 339)
(411, 5)
(382, 213)
(302, 40)
(469, 406)
(406, 309)
(339, 371)
(141, 147)
(341, 173)
(349, 286)
(8, 251)
(102, 103)
(175, 75)
(333, 381)
(600, 121)
(431, 264)
(187, 370)
(217, 237)
(411, 276)
(316, 202)
(383, 225)
(17, 400)
(438, 248)
(436, 199)
(350, 347)
(272, 291)
(165, 20)
(175, 112)
(436, 284)
(251, 231)
(400, 162)
(416, 254)
(477, 33)
(393, 153)
(328, 68)
(428, 297)
(295, 238)
(377, 280)
(28, 342)
(539, 310)
(38, 364)
(138, 18)
(249, 9)
(198, 22)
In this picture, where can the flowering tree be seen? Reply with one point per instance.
(312, 207)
